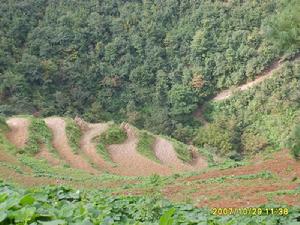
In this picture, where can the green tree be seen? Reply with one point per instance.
(284, 27)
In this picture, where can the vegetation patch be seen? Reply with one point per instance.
(63, 205)
(73, 133)
(11, 166)
(145, 145)
(3, 125)
(262, 175)
(113, 135)
(295, 142)
(4, 143)
(39, 134)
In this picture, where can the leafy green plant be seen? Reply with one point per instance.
(63, 205)
(145, 145)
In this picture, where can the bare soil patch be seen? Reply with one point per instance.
(130, 162)
(18, 134)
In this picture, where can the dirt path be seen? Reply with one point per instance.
(130, 162)
(267, 73)
(60, 142)
(89, 147)
(165, 152)
(18, 133)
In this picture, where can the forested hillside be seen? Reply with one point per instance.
(151, 63)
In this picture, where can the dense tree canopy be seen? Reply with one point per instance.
(148, 62)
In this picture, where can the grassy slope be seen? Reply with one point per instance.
(145, 145)
(39, 134)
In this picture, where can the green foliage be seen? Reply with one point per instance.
(73, 133)
(62, 205)
(113, 135)
(39, 134)
(259, 119)
(3, 124)
(145, 145)
(295, 142)
(148, 62)
(102, 150)
(283, 28)
(222, 135)
(182, 100)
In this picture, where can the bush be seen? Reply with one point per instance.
(216, 137)
(253, 143)
(114, 135)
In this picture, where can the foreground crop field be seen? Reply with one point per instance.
(61, 205)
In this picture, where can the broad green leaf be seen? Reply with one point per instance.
(167, 217)
(27, 200)
(53, 222)
(24, 214)
(3, 215)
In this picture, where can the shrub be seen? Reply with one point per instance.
(114, 135)
(253, 143)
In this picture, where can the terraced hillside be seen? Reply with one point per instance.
(81, 152)
(267, 178)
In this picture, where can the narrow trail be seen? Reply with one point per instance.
(60, 142)
(225, 94)
(265, 74)
(89, 148)
(165, 152)
(130, 162)
(18, 133)
(45, 154)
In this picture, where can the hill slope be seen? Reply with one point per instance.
(127, 160)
